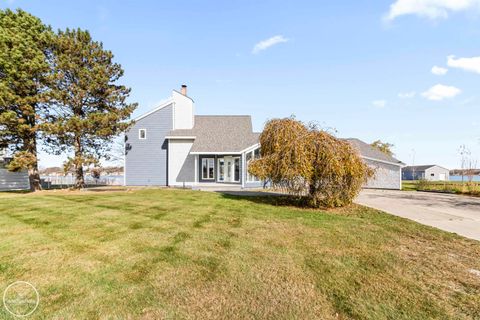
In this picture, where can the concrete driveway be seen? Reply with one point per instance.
(453, 213)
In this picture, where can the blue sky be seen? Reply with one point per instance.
(361, 67)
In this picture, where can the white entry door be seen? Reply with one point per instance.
(442, 177)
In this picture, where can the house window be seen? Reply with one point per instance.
(432, 174)
(236, 172)
(221, 169)
(255, 154)
(142, 134)
(208, 167)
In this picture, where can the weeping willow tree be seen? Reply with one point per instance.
(307, 161)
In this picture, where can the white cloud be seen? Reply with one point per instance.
(379, 103)
(439, 92)
(468, 64)
(439, 71)
(431, 9)
(407, 95)
(265, 44)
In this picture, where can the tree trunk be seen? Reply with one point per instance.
(79, 178)
(33, 175)
(34, 178)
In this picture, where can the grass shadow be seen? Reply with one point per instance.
(273, 199)
(15, 191)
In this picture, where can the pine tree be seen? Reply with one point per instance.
(90, 107)
(24, 69)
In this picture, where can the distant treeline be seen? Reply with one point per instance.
(459, 172)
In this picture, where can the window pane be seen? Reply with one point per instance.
(257, 153)
(211, 166)
(204, 168)
(237, 169)
(221, 169)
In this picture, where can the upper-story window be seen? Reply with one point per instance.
(142, 134)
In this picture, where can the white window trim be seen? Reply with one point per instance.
(140, 135)
(239, 169)
(247, 163)
(208, 167)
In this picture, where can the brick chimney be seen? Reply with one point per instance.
(183, 90)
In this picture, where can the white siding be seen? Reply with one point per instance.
(183, 114)
(181, 164)
(433, 173)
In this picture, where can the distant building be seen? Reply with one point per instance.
(11, 180)
(426, 172)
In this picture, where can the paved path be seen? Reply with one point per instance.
(454, 213)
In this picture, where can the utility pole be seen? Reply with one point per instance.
(413, 164)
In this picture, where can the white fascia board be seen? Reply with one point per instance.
(211, 153)
(181, 137)
(162, 105)
(255, 146)
(383, 161)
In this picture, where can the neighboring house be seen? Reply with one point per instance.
(388, 170)
(171, 146)
(426, 172)
(11, 180)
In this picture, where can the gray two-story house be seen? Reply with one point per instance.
(171, 146)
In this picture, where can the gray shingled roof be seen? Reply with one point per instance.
(368, 151)
(220, 134)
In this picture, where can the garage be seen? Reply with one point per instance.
(388, 170)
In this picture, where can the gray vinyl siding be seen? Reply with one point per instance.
(387, 176)
(146, 160)
(413, 175)
(13, 180)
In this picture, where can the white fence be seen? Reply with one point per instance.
(56, 181)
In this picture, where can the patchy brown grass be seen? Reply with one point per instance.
(162, 254)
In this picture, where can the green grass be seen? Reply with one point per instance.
(154, 254)
(456, 187)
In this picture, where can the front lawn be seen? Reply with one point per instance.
(160, 253)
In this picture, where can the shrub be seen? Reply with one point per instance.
(307, 161)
